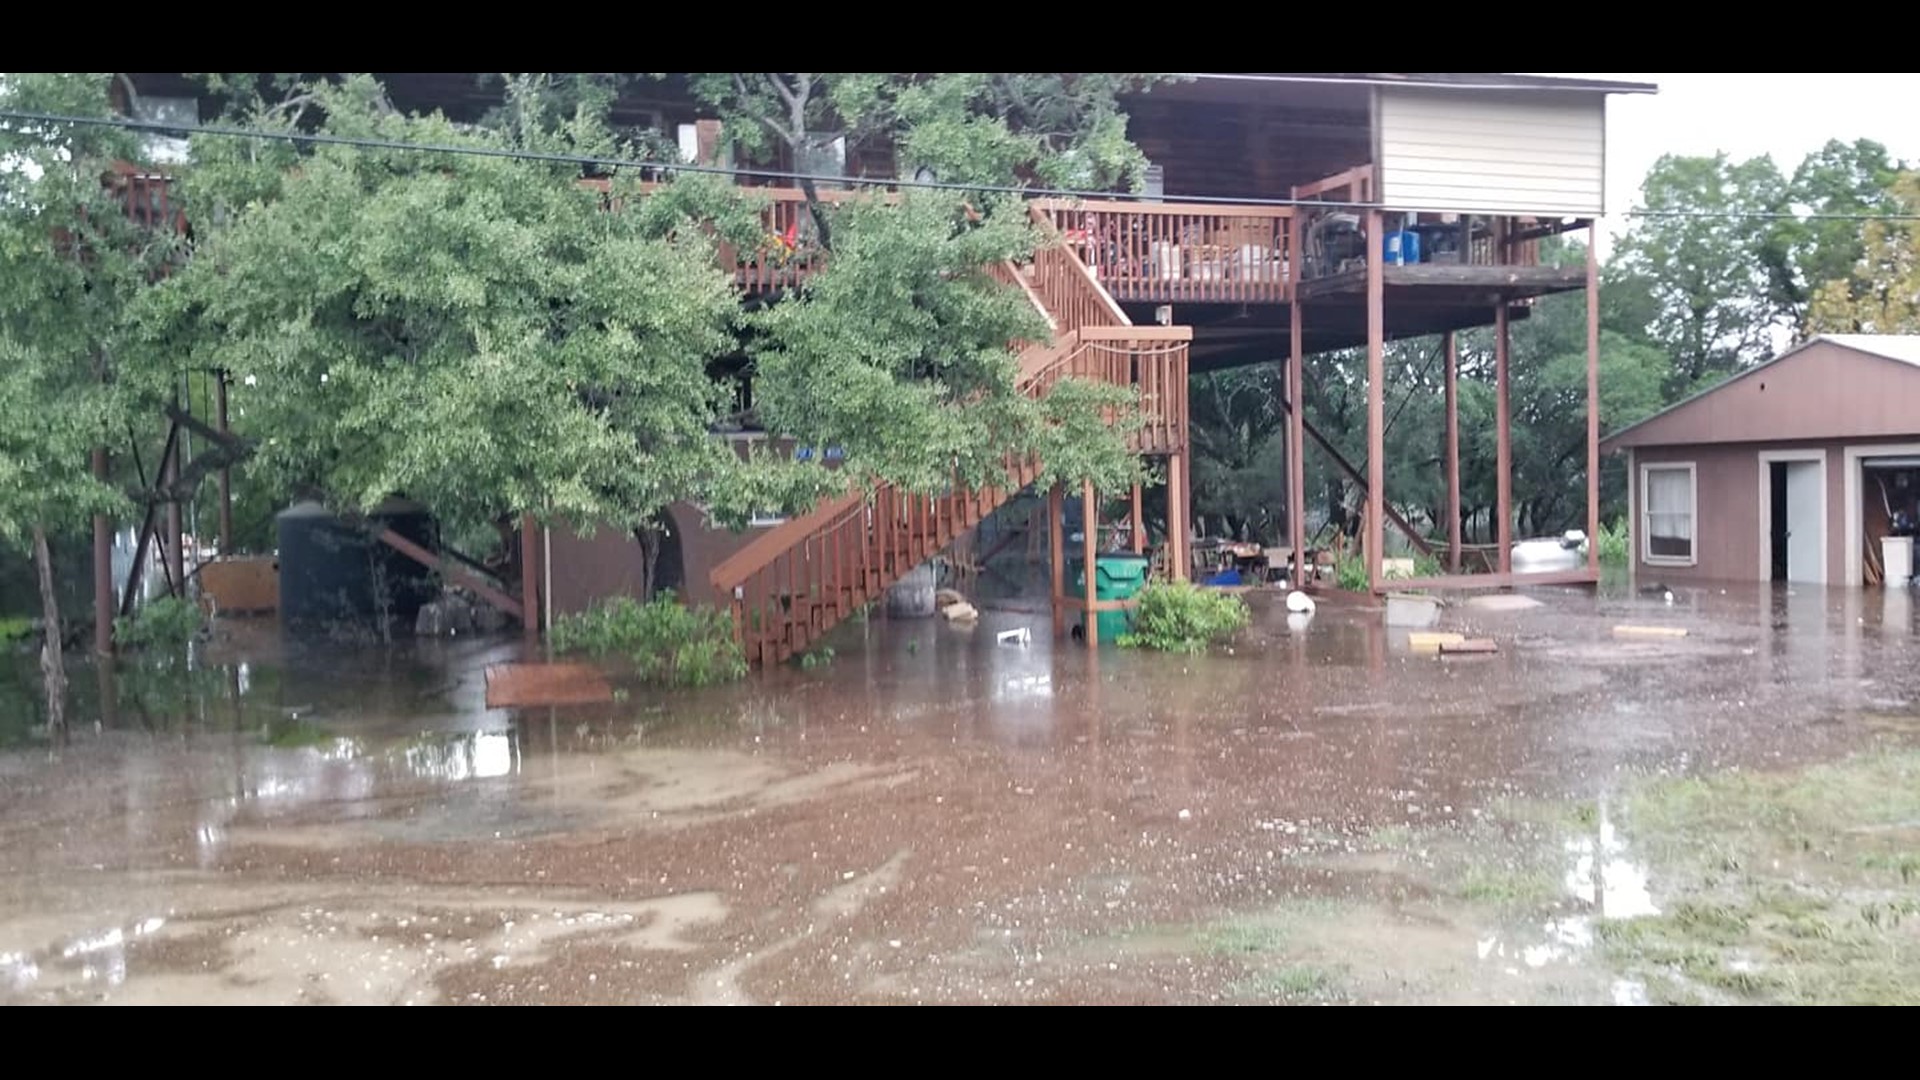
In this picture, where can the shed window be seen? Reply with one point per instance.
(1667, 511)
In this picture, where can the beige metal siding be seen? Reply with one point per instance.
(1493, 152)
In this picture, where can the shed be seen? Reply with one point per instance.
(1794, 470)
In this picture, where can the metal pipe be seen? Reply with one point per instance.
(1296, 421)
(1375, 524)
(1593, 397)
(103, 598)
(1503, 456)
(226, 471)
(1453, 453)
(529, 582)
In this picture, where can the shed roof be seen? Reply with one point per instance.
(1836, 386)
(1454, 80)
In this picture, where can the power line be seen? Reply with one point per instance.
(598, 161)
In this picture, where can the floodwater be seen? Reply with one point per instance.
(932, 817)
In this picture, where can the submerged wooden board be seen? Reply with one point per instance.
(1470, 647)
(1433, 640)
(1650, 631)
(525, 685)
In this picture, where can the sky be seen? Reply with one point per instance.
(1785, 114)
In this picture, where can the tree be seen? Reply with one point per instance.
(72, 265)
(1718, 272)
(1881, 293)
(1237, 425)
(1844, 181)
(481, 333)
(898, 352)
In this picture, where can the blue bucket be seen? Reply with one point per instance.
(1401, 248)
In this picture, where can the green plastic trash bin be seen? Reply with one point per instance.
(1118, 576)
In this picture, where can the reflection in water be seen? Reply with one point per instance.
(478, 756)
(1600, 875)
(100, 957)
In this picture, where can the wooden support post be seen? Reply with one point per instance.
(529, 576)
(1137, 524)
(174, 547)
(103, 606)
(226, 472)
(1089, 531)
(1057, 558)
(1296, 437)
(1177, 561)
(1376, 400)
(1453, 453)
(1503, 435)
(1593, 397)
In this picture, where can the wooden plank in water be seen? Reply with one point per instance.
(1650, 631)
(525, 685)
(1469, 647)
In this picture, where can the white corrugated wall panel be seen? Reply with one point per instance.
(1511, 152)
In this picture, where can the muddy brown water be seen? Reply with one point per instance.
(930, 818)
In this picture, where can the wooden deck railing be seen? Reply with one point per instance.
(1190, 252)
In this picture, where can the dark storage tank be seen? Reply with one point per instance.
(333, 571)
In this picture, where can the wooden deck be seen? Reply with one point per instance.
(1449, 283)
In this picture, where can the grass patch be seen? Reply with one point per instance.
(1294, 982)
(1511, 885)
(1781, 888)
(1276, 950)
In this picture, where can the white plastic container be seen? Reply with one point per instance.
(1896, 557)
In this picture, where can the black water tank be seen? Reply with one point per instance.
(333, 571)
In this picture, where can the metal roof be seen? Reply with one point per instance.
(1451, 80)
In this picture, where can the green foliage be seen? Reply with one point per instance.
(162, 624)
(71, 265)
(480, 333)
(1183, 617)
(667, 642)
(898, 352)
(1712, 272)
(1350, 573)
(1059, 130)
(1614, 545)
(1237, 420)
(15, 627)
(816, 658)
(1880, 292)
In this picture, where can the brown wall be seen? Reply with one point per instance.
(610, 563)
(1727, 522)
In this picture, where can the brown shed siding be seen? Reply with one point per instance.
(1727, 510)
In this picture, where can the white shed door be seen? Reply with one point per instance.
(1533, 152)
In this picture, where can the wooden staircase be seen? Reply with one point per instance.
(796, 581)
